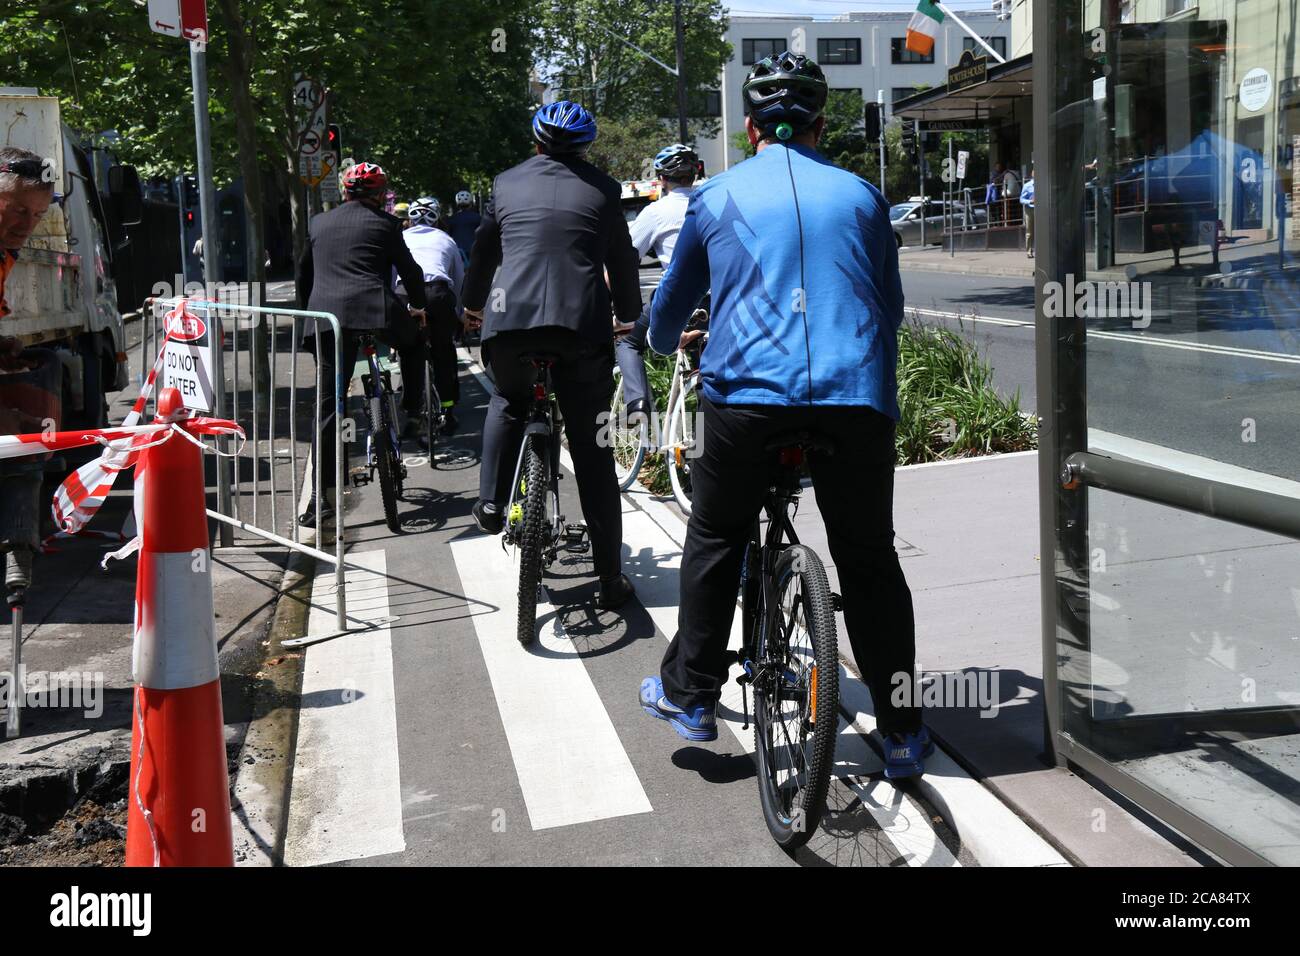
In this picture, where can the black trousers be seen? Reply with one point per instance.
(855, 494)
(440, 333)
(402, 335)
(441, 324)
(584, 385)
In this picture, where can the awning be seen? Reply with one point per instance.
(1007, 83)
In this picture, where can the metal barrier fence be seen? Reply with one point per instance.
(249, 386)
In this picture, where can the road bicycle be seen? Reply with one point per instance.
(434, 414)
(534, 526)
(383, 443)
(678, 434)
(789, 654)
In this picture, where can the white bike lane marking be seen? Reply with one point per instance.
(571, 765)
(346, 801)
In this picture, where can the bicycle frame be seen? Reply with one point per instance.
(375, 383)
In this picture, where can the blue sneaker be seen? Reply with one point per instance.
(905, 758)
(698, 724)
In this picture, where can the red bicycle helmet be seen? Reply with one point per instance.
(364, 179)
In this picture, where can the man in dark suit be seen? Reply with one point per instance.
(554, 226)
(347, 270)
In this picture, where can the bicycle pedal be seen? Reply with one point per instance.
(576, 540)
(837, 602)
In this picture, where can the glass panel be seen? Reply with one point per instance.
(1177, 290)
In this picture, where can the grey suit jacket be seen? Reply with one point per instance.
(348, 266)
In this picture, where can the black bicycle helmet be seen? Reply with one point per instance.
(784, 94)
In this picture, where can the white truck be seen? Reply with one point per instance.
(61, 289)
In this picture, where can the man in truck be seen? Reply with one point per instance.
(26, 191)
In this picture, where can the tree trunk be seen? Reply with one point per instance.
(237, 68)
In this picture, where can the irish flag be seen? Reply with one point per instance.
(924, 27)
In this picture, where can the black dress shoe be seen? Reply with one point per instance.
(449, 422)
(614, 592)
(490, 521)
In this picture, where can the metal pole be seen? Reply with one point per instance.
(681, 69)
(920, 173)
(880, 101)
(947, 209)
(211, 264)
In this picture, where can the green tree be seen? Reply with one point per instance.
(587, 64)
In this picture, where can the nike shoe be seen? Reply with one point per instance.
(905, 754)
(698, 724)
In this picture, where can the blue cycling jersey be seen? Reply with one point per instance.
(811, 322)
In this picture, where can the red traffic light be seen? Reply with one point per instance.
(189, 217)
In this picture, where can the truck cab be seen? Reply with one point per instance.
(61, 289)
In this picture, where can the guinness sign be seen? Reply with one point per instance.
(969, 71)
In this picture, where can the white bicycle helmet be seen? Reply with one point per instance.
(463, 198)
(425, 211)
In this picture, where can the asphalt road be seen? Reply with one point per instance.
(434, 738)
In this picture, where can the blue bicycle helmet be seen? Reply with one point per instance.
(564, 127)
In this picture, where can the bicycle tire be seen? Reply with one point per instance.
(681, 443)
(791, 827)
(381, 443)
(531, 540)
(627, 464)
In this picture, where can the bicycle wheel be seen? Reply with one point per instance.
(796, 702)
(381, 440)
(627, 439)
(531, 538)
(683, 441)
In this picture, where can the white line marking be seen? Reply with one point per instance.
(346, 799)
(571, 765)
(992, 830)
(900, 818)
(1131, 338)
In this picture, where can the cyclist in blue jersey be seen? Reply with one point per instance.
(803, 271)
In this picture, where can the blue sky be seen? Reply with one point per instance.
(828, 8)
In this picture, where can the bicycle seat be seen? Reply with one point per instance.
(539, 358)
(805, 439)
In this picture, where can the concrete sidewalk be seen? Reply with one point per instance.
(996, 262)
(968, 539)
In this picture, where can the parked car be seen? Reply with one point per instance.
(906, 220)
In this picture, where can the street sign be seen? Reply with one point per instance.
(953, 125)
(187, 359)
(310, 143)
(329, 184)
(308, 95)
(187, 19)
(962, 156)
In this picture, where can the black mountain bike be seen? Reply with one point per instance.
(790, 656)
(383, 444)
(538, 532)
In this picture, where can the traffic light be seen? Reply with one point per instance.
(909, 136)
(333, 141)
(871, 121)
(189, 191)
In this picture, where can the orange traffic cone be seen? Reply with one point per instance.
(179, 801)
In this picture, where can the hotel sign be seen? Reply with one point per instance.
(971, 70)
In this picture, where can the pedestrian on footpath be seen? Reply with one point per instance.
(1027, 204)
